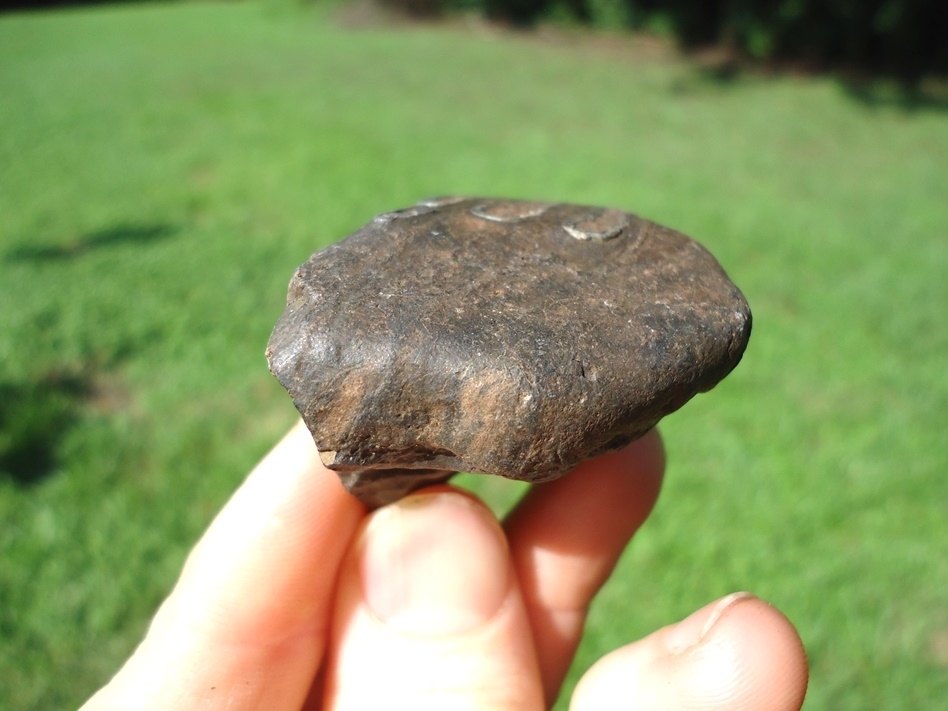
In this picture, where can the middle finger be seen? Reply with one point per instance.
(566, 537)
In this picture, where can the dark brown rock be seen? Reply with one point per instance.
(497, 336)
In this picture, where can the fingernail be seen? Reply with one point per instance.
(434, 564)
(691, 631)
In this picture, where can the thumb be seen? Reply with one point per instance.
(736, 654)
(429, 614)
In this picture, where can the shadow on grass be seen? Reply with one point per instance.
(873, 93)
(878, 95)
(34, 416)
(111, 237)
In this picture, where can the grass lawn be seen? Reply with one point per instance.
(164, 168)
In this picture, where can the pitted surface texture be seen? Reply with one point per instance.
(498, 336)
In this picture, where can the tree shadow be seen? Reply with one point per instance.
(34, 415)
(110, 237)
(905, 97)
(724, 71)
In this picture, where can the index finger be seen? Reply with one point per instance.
(246, 625)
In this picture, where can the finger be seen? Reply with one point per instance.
(248, 619)
(429, 615)
(738, 654)
(566, 537)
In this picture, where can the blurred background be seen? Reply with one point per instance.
(164, 167)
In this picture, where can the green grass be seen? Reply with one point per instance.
(163, 169)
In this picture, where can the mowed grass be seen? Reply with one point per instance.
(164, 168)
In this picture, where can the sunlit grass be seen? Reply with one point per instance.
(164, 168)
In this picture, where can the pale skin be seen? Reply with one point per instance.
(297, 598)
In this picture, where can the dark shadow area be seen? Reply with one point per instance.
(34, 415)
(111, 237)
(900, 41)
(725, 71)
(878, 94)
(720, 72)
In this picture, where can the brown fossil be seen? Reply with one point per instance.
(499, 336)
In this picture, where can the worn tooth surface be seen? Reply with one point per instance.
(499, 336)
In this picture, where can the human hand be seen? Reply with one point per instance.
(296, 599)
